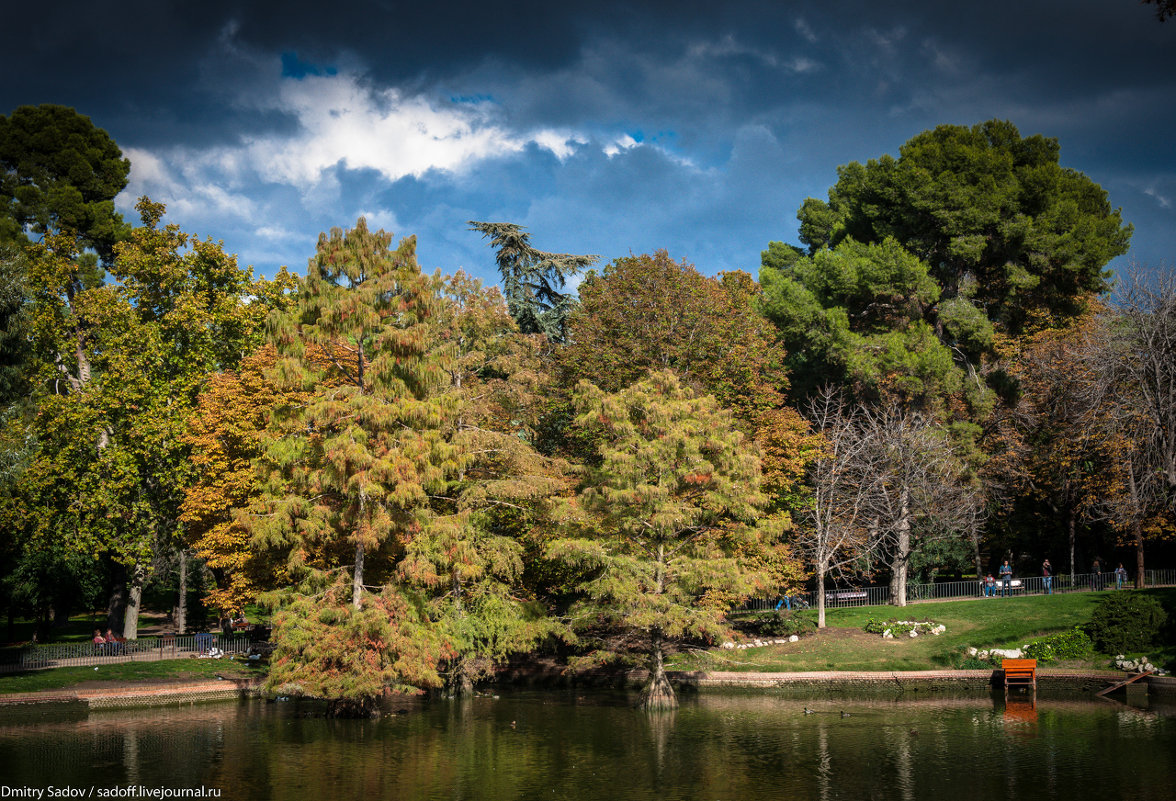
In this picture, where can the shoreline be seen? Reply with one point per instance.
(914, 681)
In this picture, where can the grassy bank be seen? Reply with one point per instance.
(128, 673)
(981, 623)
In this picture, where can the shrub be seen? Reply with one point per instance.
(1126, 621)
(779, 624)
(1073, 644)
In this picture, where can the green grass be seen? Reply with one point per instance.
(980, 623)
(144, 672)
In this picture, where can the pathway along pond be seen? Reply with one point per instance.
(592, 745)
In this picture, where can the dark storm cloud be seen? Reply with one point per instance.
(606, 127)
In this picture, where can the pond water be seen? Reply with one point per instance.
(593, 745)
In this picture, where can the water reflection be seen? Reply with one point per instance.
(549, 745)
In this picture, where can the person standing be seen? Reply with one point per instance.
(1096, 575)
(1006, 579)
(1120, 576)
(1047, 576)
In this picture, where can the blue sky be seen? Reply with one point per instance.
(608, 128)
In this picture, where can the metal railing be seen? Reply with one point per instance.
(840, 596)
(152, 649)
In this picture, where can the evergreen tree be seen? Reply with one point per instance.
(59, 173)
(532, 279)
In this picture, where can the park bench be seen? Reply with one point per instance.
(1019, 673)
(848, 598)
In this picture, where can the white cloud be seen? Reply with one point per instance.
(561, 143)
(1164, 201)
(341, 122)
(804, 30)
(619, 145)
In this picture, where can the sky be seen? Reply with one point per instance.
(611, 128)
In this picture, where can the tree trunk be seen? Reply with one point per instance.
(357, 579)
(902, 552)
(1140, 579)
(821, 568)
(182, 607)
(1071, 528)
(130, 628)
(658, 693)
(117, 608)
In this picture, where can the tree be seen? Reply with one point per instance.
(469, 561)
(348, 472)
(649, 313)
(1063, 449)
(671, 492)
(835, 528)
(1132, 365)
(225, 434)
(59, 173)
(1000, 224)
(856, 315)
(532, 279)
(117, 369)
(921, 493)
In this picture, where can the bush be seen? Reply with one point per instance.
(1126, 621)
(779, 624)
(1073, 644)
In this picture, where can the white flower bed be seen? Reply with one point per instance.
(914, 628)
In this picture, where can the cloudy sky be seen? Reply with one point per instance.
(604, 127)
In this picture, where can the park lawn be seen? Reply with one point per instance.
(167, 671)
(980, 623)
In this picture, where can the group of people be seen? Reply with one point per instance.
(1097, 581)
(108, 643)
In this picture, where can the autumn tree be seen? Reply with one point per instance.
(470, 560)
(651, 313)
(1132, 365)
(226, 434)
(348, 472)
(667, 499)
(533, 280)
(1062, 450)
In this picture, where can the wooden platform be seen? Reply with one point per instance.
(1019, 673)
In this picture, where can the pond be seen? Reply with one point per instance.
(593, 745)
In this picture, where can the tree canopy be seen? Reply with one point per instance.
(996, 218)
(60, 173)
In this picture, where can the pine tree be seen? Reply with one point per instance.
(532, 279)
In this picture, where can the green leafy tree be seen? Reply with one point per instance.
(532, 280)
(856, 315)
(117, 371)
(59, 173)
(666, 504)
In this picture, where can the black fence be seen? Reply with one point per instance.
(945, 590)
(148, 649)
